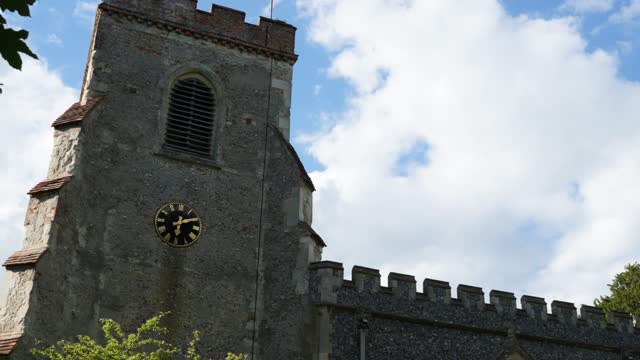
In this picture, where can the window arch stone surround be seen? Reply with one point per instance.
(207, 76)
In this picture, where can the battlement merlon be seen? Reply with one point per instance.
(277, 37)
(364, 292)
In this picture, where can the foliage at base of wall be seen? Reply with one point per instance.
(144, 344)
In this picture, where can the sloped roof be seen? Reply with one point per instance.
(296, 158)
(8, 342)
(312, 233)
(25, 257)
(49, 185)
(76, 113)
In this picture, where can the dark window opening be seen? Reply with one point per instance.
(190, 118)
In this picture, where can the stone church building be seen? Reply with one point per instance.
(173, 187)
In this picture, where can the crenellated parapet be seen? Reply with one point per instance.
(222, 25)
(435, 306)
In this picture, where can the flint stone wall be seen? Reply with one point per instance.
(396, 322)
(243, 285)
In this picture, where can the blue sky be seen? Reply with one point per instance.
(476, 141)
(60, 33)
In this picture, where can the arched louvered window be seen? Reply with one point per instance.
(190, 118)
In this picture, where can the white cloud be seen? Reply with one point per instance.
(586, 6)
(628, 12)
(30, 101)
(54, 40)
(85, 10)
(529, 182)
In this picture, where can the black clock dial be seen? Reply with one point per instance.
(178, 224)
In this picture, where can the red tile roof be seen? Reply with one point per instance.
(76, 113)
(8, 342)
(49, 185)
(25, 257)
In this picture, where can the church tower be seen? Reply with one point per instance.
(172, 187)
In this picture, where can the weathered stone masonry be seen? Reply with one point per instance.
(90, 249)
(400, 323)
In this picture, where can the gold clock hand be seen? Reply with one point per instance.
(178, 223)
(189, 220)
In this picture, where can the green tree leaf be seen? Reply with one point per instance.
(12, 41)
(625, 292)
(12, 44)
(145, 343)
(20, 6)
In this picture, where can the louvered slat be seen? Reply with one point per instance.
(192, 89)
(189, 109)
(195, 129)
(193, 83)
(183, 137)
(202, 127)
(190, 118)
(179, 92)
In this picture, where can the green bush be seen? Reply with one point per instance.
(625, 292)
(144, 344)
(231, 356)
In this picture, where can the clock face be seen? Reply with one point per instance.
(178, 224)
